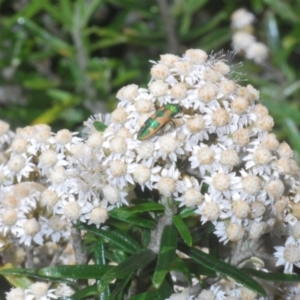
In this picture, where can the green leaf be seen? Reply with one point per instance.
(76, 271)
(199, 232)
(15, 277)
(131, 264)
(136, 219)
(85, 292)
(99, 126)
(144, 207)
(220, 266)
(100, 261)
(117, 237)
(272, 276)
(22, 274)
(284, 10)
(166, 255)
(183, 230)
(187, 211)
(120, 286)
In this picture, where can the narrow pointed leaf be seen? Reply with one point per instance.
(183, 230)
(166, 255)
(144, 207)
(272, 276)
(220, 266)
(117, 237)
(85, 292)
(187, 211)
(131, 264)
(135, 219)
(76, 272)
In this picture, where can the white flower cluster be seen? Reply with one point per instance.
(217, 156)
(243, 40)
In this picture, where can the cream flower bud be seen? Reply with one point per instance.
(193, 197)
(221, 182)
(16, 163)
(197, 56)
(257, 209)
(247, 294)
(119, 115)
(118, 168)
(205, 155)
(241, 136)
(95, 140)
(42, 133)
(183, 67)
(253, 93)
(9, 216)
(158, 88)
(211, 75)
(262, 156)
(19, 145)
(179, 91)
(98, 215)
(265, 123)
(296, 210)
(141, 174)
(211, 211)
(39, 289)
(221, 67)
(240, 209)
(257, 229)
(195, 124)
(285, 150)
(168, 143)
(220, 117)
(275, 188)
(124, 133)
(270, 142)
(49, 198)
(118, 145)
(239, 105)
(166, 186)
(58, 175)
(72, 211)
(296, 230)
(292, 253)
(63, 136)
(229, 158)
(260, 110)
(169, 59)
(235, 232)
(242, 91)
(251, 184)
(242, 40)
(111, 194)
(227, 86)
(144, 106)
(283, 166)
(48, 158)
(257, 51)
(160, 72)
(207, 92)
(241, 18)
(31, 227)
(145, 149)
(129, 92)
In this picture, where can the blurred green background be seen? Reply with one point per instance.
(61, 61)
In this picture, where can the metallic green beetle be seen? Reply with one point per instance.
(161, 117)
